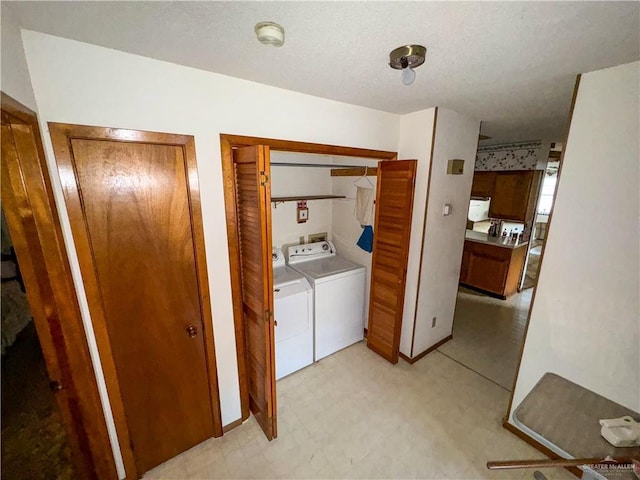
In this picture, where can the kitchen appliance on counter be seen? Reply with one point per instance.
(339, 295)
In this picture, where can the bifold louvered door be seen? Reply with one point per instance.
(253, 198)
(392, 232)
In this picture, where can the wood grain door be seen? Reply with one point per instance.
(133, 204)
(392, 232)
(253, 201)
(32, 221)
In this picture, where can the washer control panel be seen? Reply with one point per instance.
(310, 251)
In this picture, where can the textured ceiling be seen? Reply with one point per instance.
(510, 64)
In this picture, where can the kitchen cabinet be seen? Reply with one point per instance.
(514, 195)
(492, 268)
(482, 185)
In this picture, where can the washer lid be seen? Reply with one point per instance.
(283, 276)
(317, 269)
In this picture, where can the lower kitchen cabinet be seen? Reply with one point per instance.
(493, 268)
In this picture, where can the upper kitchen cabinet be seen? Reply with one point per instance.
(482, 185)
(514, 194)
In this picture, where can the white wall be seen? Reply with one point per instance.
(334, 216)
(585, 319)
(456, 137)
(291, 181)
(416, 134)
(543, 155)
(285, 228)
(347, 229)
(85, 84)
(14, 80)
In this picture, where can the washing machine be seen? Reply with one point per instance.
(339, 295)
(293, 313)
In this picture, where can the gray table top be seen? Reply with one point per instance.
(567, 415)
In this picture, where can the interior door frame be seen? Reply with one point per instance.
(61, 136)
(33, 221)
(227, 143)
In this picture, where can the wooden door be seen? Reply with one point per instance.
(392, 232)
(253, 203)
(133, 204)
(510, 198)
(32, 220)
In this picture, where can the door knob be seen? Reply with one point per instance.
(192, 331)
(55, 385)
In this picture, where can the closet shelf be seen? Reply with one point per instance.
(304, 197)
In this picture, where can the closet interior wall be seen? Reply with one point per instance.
(334, 216)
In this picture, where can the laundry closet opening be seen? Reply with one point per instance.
(310, 270)
(322, 212)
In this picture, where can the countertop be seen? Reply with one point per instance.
(497, 241)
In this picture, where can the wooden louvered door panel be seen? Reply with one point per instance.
(392, 231)
(253, 198)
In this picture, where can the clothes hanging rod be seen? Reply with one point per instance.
(314, 165)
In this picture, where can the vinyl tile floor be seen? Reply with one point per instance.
(488, 334)
(354, 415)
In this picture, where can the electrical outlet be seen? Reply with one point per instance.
(433, 321)
(301, 240)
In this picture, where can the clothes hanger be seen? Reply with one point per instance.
(366, 169)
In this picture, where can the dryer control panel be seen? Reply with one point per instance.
(278, 257)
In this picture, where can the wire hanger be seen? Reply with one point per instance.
(365, 177)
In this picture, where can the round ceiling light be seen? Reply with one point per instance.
(270, 33)
(407, 58)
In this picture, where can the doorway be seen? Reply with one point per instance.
(247, 174)
(36, 235)
(500, 264)
(34, 440)
(541, 223)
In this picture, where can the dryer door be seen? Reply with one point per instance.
(294, 328)
(291, 311)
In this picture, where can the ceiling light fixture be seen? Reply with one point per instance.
(406, 59)
(270, 33)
